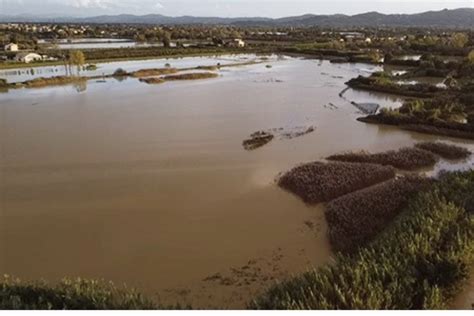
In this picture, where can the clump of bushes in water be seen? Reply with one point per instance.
(91, 67)
(404, 158)
(356, 218)
(318, 182)
(120, 73)
(418, 262)
(445, 150)
(191, 76)
(70, 295)
(257, 140)
(153, 72)
(3, 82)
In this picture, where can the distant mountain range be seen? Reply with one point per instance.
(458, 18)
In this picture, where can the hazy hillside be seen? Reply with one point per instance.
(462, 18)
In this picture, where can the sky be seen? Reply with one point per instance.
(222, 8)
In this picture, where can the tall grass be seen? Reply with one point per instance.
(419, 262)
(69, 294)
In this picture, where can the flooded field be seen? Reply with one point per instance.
(149, 185)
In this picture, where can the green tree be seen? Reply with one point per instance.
(470, 57)
(459, 40)
(77, 58)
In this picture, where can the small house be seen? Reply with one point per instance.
(28, 57)
(12, 47)
(236, 43)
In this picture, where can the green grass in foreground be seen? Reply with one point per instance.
(419, 262)
(73, 295)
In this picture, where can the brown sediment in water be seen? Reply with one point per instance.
(318, 182)
(257, 140)
(153, 72)
(356, 218)
(445, 150)
(405, 158)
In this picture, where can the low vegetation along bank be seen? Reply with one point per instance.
(418, 262)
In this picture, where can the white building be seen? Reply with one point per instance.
(237, 43)
(12, 47)
(368, 40)
(28, 57)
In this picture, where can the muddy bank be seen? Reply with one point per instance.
(457, 130)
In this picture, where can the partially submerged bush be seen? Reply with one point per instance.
(419, 262)
(405, 158)
(72, 295)
(445, 150)
(321, 182)
(356, 218)
(153, 72)
(191, 76)
(53, 81)
(120, 73)
(152, 80)
(257, 140)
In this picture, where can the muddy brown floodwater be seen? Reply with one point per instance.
(150, 186)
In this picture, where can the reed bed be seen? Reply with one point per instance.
(418, 262)
(318, 182)
(445, 150)
(405, 158)
(356, 218)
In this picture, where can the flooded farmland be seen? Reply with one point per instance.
(149, 185)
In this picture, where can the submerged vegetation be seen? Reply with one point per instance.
(419, 262)
(257, 140)
(404, 158)
(321, 182)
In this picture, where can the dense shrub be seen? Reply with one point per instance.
(405, 158)
(445, 150)
(355, 218)
(419, 262)
(73, 295)
(321, 182)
